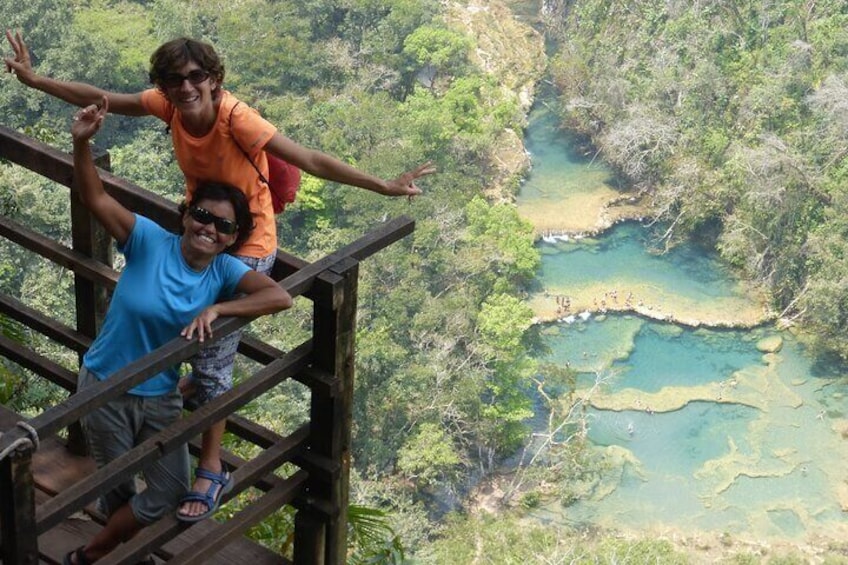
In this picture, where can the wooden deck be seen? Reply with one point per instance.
(55, 469)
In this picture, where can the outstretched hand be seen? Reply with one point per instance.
(20, 64)
(404, 185)
(88, 120)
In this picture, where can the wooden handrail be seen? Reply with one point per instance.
(45, 325)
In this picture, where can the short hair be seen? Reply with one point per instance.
(220, 191)
(178, 52)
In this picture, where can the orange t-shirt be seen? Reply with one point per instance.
(216, 157)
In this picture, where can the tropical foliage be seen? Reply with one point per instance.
(730, 117)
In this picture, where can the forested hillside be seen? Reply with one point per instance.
(732, 117)
(443, 343)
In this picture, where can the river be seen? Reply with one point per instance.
(707, 429)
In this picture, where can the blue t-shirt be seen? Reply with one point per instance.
(157, 295)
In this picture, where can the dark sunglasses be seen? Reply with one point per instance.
(205, 217)
(173, 80)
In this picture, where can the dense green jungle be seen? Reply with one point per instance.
(727, 118)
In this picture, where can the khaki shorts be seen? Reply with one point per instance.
(124, 423)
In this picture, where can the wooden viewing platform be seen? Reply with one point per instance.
(46, 485)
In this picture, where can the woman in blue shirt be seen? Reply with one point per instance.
(172, 285)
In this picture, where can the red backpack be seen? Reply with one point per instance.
(283, 177)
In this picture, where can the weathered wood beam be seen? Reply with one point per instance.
(13, 308)
(334, 330)
(42, 366)
(17, 509)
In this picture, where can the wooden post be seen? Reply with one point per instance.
(17, 509)
(89, 238)
(330, 428)
(309, 538)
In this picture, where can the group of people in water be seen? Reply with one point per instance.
(612, 295)
(609, 300)
(179, 284)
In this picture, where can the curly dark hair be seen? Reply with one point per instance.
(219, 191)
(178, 52)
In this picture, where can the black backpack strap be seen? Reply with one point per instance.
(169, 118)
(243, 152)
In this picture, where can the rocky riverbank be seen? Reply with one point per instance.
(600, 298)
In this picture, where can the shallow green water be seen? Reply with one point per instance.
(656, 355)
(768, 471)
(624, 255)
(557, 169)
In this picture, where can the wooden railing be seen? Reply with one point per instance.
(319, 452)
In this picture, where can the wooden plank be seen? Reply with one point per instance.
(8, 417)
(36, 156)
(330, 415)
(67, 536)
(297, 438)
(57, 253)
(80, 528)
(42, 366)
(161, 534)
(17, 508)
(364, 247)
(265, 353)
(55, 418)
(53, 469)
(319, 467)
(58, 166)
(43, 324)
(241, 550)
(309, 538)
(89, 238)
(56, 469)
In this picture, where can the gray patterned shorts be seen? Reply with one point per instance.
(212, 368)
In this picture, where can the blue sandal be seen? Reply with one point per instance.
(221, 484)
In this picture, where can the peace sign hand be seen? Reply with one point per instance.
(20, 64)
(404, 185)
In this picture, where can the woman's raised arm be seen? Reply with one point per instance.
(76, 93)
(116, 219)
